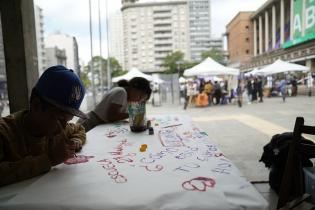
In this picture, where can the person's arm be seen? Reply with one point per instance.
(21, 169)
(115, 114)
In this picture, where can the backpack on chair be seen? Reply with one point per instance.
(275, 155)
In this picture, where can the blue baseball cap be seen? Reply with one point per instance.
(62, 88)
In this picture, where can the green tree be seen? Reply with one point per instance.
(186, 65)
(116, 69)
(84, 77)
(100, 65)
(173, 61)
(215, 54)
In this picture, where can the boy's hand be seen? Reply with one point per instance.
(77, 144)
(61, 151)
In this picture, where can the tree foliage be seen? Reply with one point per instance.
(215, 54)
(172, 62)
(100, 65)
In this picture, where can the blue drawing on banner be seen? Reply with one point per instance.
(223, 167)
(157, 156)
(187, 167)
(169, 138)
(195, 134)
(187, 153)
(116, 131)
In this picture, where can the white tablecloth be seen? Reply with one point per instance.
(181, 169)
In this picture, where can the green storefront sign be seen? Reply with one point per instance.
(302, 20)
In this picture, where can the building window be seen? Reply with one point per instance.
(247, 51)
(247, 27)
(247, 39)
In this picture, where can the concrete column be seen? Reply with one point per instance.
(303, 18)
(281, 21)
(291, 18)
(266, 31)
(19, 38)
(260, 36)
(311, 64)
(273, 26)
(255, 37)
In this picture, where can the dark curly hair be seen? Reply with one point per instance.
(138, 83)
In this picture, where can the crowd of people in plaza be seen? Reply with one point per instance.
(201, 93)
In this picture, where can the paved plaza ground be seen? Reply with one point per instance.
(241, 133)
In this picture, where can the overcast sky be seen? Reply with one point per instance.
(72, 17)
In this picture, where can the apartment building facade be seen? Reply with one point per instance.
(239, 34)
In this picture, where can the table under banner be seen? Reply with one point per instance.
(179, 168)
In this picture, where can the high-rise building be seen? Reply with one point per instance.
(55, 56)
(199, 18)
(152, 30)
(39, 26)
(69, 44)
(116, 40)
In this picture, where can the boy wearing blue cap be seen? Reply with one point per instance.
(34, 140)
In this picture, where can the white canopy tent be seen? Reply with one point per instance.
(280, 66)
(254, 72)
(182, 80)
(134, 72)
(209, 67)
(158, 80)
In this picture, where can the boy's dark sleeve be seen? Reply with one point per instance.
(21, 169)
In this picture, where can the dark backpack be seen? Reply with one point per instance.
(275, 155)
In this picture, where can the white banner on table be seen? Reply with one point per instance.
(180, 169)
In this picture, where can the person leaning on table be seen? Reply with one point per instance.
(34, 140)
(113, 106)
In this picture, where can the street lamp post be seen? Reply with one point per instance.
(109, 79)
(178, 71)
(91, 64)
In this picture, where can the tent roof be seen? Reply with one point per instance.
(254, 72)
(158, 80)
(134, 72)
(280, 66)
(210, 67)
(182, 80)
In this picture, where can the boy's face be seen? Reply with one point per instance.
(52, 119)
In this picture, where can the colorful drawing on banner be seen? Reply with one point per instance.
(173, 125)
(113, 173)
(208, 155)
(165, 121)
(195, 134)
(157, 156)
(198, 184)
(116, 131)
(187, 167)
(119, 154)
(223, 167)
(169, 138)
(78, 159)
(211, 151)
(190, 151)
(153, 168)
